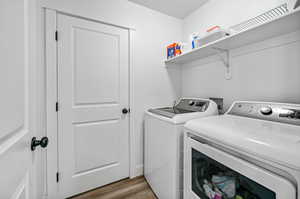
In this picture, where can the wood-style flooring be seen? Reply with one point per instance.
(136, 188)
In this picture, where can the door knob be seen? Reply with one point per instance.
(125, 110)
(43, 143)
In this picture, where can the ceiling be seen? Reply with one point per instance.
(175, 8)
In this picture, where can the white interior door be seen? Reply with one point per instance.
(16, 119)
(93, 90)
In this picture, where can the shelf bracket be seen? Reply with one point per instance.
(226, 61)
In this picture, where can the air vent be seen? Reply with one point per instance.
(263, 18)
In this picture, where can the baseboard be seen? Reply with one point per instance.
(139, 170)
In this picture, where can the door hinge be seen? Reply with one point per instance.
(57, 176)
(56, 36)
(56, 106)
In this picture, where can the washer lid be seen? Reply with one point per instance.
(169, 112)
(184, 106)
(277, 142)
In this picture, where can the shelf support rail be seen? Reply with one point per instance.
(226, 61)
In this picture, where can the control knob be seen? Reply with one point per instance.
(191, 103)
(266, 110)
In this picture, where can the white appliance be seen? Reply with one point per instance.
(163, 166)
(250, 152)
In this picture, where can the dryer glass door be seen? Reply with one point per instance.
(208, 175)
(216, 174)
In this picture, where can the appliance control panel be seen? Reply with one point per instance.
(277, 112)
(193, 105)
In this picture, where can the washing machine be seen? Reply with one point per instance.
(250, 152)
(163, 158)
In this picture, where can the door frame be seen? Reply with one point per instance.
(51, 65)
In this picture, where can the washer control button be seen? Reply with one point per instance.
(267, 110)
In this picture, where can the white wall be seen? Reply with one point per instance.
(153, 84)
(266, 71)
